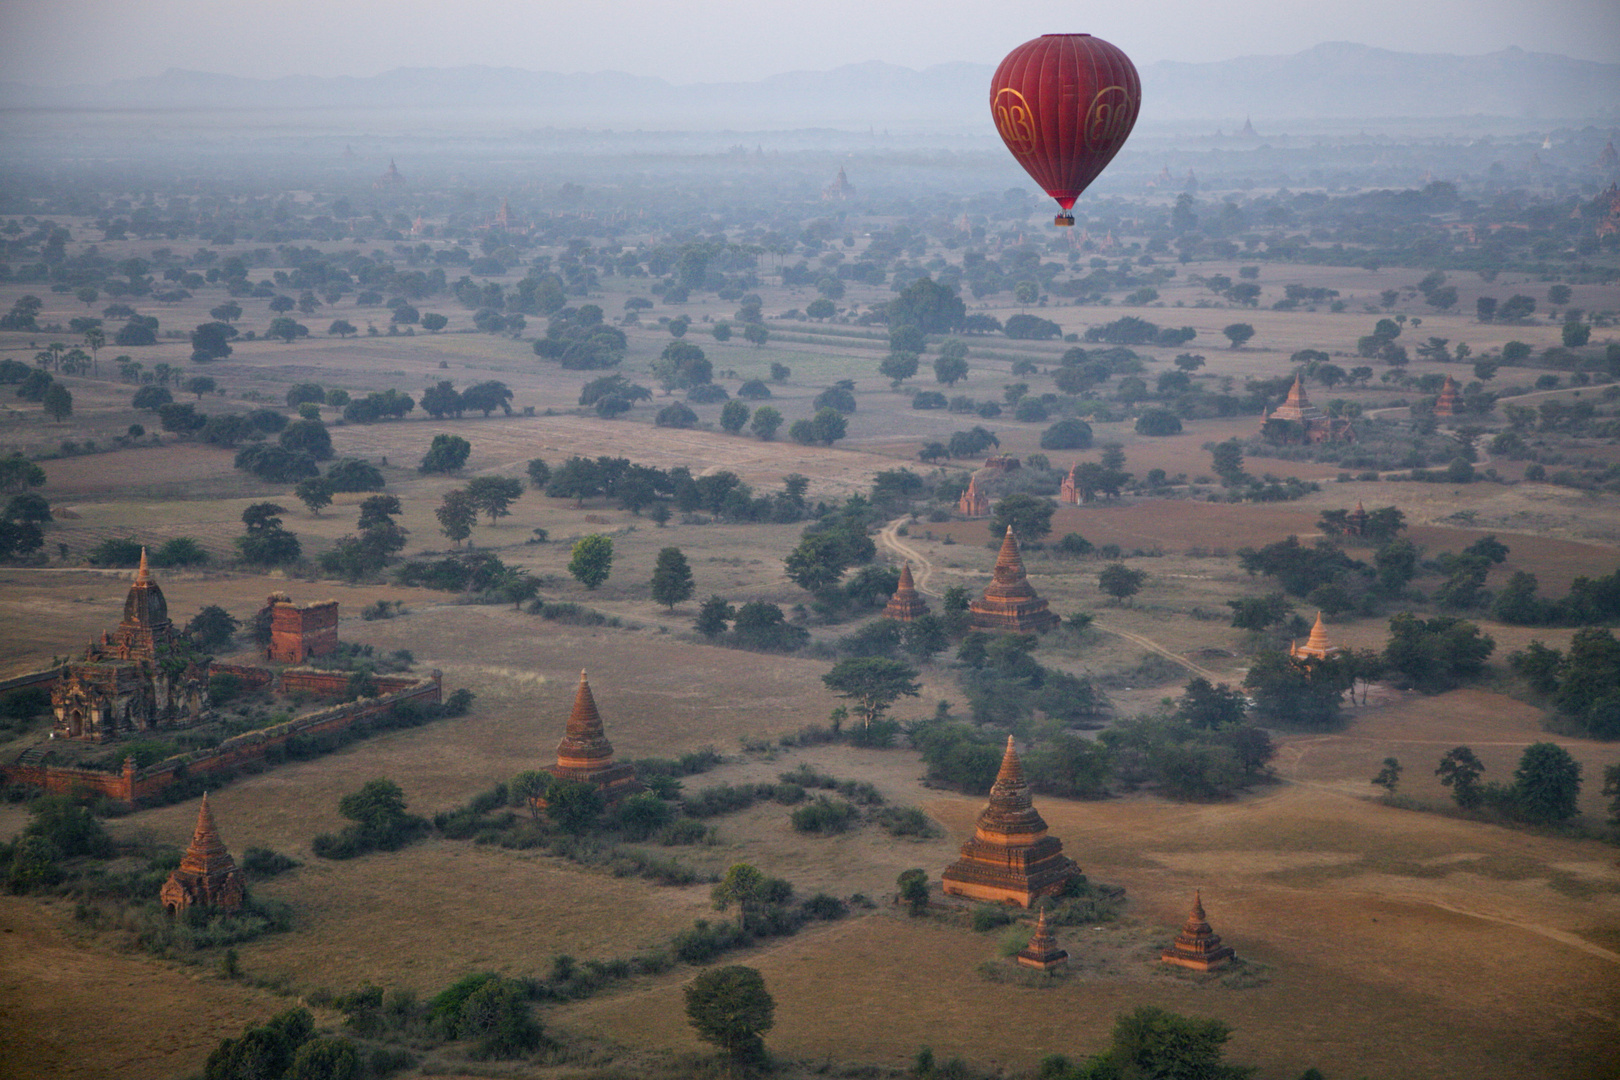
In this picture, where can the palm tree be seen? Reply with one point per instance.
(95, 338)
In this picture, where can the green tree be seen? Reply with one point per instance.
(1153, 1044)
(1611, 791)
(309, 437)
(343, 328)
(1238, 333)
(378, 808)
(733, 416)
(315, 492)
(827, 426)
(1210, 707)
(57, 401)
(446, 454)
(1437, 654)
(872, 684)
(1547, 784)
(573, 804)
(1029, 517)
(672, 578)
(326, 1059)
(766, 422)
(494, 495)
(1460, 770)
(949, 370)
(592, 560)
(897, 367)
(713, 617)
(530, 787)
(730, 1007)
(743, 885)
(1120, 581)
(200, 385)
(266, 543)
(457, 514)
(914, 891)
(1389, 776)
(18, 474)
(1227, 461)
(212, 628)
(1589, 682)
(821, 558)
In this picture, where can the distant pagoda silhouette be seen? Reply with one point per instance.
(1198, 946)
(1009, 601)
(906, 604)
(1010, 855)
(207, 876)
(585, 755)
(1296, 420)
(1042, 952)
(1446, 403)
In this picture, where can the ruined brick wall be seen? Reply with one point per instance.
(297, 633)
(132, 787)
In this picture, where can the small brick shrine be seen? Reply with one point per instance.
(905, 605)
(1198, 946)
(207, 876)
(974, 502)
(1010, 856)
(1316, 646)
(1446, 404)
(1042, 952)
(1009, 601)
(586, 755)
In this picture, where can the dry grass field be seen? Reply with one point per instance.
(1381, 941)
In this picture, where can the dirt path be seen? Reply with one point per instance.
(922, 571)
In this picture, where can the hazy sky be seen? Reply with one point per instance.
(53, 42)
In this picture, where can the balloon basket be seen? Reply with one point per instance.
(1066, 220)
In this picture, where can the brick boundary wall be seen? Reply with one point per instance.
(33, 678)
(132, 785)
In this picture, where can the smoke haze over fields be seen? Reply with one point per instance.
(65, 42)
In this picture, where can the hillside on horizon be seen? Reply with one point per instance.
(1335, 80)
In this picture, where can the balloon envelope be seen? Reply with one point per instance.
(1065, 104)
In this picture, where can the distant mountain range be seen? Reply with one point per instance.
(1333, 80)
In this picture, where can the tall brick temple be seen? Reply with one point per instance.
(207, 876)
(1009, 601)
(1010, 857)
(137, 678)
(586, 755)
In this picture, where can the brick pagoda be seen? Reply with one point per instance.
(207, 875)
(1197, 946)
(586, 755)
(1356, 523)
(974, 502)
(1042, 952)
(1009, 602)
(1446, 404)
(1010, 856)
(905, 604)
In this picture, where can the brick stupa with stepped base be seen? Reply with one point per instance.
(1009, 602)
(207, 876)
(1042, 952)
(1198, 946)
(586, 755)
(1010, 856)
(905, 605)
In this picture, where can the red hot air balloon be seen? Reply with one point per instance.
(1065, 104)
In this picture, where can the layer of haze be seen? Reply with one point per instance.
(60, 42)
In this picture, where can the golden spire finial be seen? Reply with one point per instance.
(142, 574)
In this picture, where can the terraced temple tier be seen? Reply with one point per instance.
(1010, 856)
(1009, 601)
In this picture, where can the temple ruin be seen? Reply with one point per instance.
(141, 676)
(1009, 601)
(905, 605)
(586, 755)
(1010, 857)
(207, 876)
(298, 633)
(1197, 946)
(1445, 406)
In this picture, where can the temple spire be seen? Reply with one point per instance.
(1042, 952)
(143, 574)
(586, 755)
(207, 875)
(905, 604)
(1198, 946)
(584, 719)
